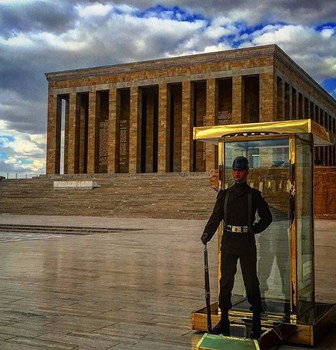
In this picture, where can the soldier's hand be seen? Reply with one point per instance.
(205, 238)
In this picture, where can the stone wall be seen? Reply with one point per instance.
(325, 192)
(145, 111)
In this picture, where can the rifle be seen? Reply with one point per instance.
(207, 288)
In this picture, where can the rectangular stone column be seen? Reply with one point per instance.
(54, 135)
(72, 137)
(237, 99)
(93, 134)
(82, 110)
(174, 104)
(135, 131)
(187, 125)
(267, 97)
(295, 103)
(307, 108)
(288, 101)
(211, 112)
(163, 130)
(280, 115)
(300, 105)
(111, 165)
(149, 131)
(66, 134)
(311, 110)
(318, 116)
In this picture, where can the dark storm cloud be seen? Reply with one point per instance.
(20, 75)
(49, 36)
(7, 167)
(55, 16)
(23, 114)
(308, 12)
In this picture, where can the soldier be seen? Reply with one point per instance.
(238, 206)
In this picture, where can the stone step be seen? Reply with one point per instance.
(73, 230)
(119, 195)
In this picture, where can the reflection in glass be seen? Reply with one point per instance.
(269, 173)
(305, 266)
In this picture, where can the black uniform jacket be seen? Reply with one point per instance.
(237, 215)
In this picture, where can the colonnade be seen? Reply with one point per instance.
(144, 128)
(293, 104)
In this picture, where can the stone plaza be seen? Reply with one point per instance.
(131, 287)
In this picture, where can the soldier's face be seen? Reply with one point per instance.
(239, 175)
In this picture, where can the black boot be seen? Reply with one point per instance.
(223, 326)
(256, 326)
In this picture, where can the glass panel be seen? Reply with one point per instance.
(304, 215)
(269, 173)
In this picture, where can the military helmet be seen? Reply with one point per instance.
(240, 163)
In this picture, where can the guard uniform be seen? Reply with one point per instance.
(238, 206)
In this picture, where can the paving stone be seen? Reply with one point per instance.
(133, 290)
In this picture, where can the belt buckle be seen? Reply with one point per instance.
(236, 229)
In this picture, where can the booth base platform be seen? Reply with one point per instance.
(270, 339)
(220, 342)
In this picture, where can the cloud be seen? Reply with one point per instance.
(24, 116)
(252, 12)
(36, 16)
(93, 10)
(38, 36)
(20, 152)
(312, 49)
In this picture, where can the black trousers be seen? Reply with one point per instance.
(248, 263)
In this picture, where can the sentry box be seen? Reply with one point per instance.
(281, 163)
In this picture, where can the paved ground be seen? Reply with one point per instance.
(133, 289)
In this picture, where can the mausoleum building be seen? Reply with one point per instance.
(138, 117)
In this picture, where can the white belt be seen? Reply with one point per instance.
(237, 229)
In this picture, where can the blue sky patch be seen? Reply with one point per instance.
(173, 13)
(5, 138)
(3, 155)
(325, 26)
(25, 161)
(330, 85)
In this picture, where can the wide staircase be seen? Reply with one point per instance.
(171, 195)
(176, 195)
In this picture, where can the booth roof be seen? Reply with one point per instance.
(214, 134)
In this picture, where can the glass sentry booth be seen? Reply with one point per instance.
(280, 155)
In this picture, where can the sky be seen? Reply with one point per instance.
(39, 36)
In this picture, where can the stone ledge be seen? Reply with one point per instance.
(75, 184)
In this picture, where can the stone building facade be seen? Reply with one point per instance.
(138, 117)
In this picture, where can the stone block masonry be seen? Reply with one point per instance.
(138, 117)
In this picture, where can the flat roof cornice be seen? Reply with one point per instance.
(272, 51)
(211, 57)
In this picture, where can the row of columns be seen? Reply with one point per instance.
(74, 136)
(292, 104)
